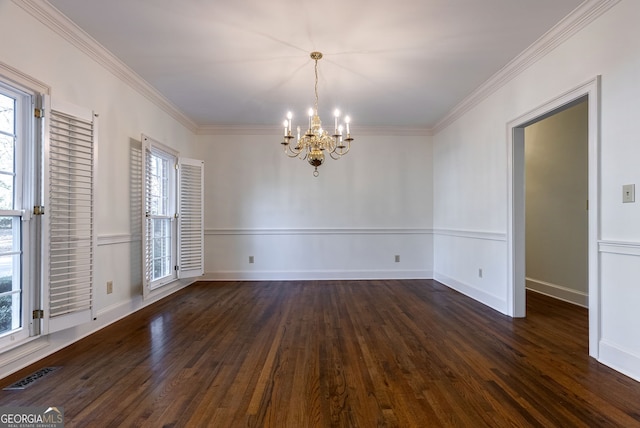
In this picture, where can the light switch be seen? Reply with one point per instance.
(628, 193)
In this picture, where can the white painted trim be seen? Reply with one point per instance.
(558, 292)
(472, 234)
(53, 19)
(617, 247)
(24, 350)
(276, 131)
(494, 302)
(620, 359)
(23, 80)
(117, 239)
(582, 16)
(515, 204)
(311, 275)
(120, 310)
(321, 231)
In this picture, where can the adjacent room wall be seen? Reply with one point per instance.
(556, 164)
(124, 114)
(349, 222)
(471, 167)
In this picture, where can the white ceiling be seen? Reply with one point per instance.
(246, 62)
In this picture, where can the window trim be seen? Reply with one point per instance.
(151, 147)
(32, 94)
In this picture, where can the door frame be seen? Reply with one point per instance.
(516, 294)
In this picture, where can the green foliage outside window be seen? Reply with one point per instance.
(5, 304)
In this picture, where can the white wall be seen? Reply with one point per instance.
(556, 164)
(470, 170)
(124, 114)
(349, 222)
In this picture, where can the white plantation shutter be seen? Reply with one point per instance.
(190, 218)
(70, 210)
(147, 248)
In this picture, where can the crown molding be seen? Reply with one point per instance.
(239, 130)
(582, 16)
(22, 79)
(52, 18)
(365, 130)
(396, 131)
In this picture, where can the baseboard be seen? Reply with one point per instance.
(25, 351)
(559, 292)
(315, 275)
(490, 300)
(620, 360)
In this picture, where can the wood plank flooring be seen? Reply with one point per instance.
(334, 354)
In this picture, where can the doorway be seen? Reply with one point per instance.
(516, 232)
(556, 204)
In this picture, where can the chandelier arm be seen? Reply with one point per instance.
(346, 149)
(334, 147)
(335, 156)
(292, 153)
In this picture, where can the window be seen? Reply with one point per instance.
(17, 147)
(47, 234)
(173, 228)
(161, 206)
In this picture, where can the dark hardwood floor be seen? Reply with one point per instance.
(334, 354)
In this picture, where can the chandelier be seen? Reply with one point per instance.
(312, 145)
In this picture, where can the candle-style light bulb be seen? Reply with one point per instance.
(286, 127)
(310, 116)
(298, 133)
(336, 115)
(289, 117)
(347, 121)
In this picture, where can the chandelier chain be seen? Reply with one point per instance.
(316, 106)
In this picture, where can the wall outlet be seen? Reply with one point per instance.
(397, 259)
(109, 287)
(250, 259)
(628, 193)
(480, 273)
